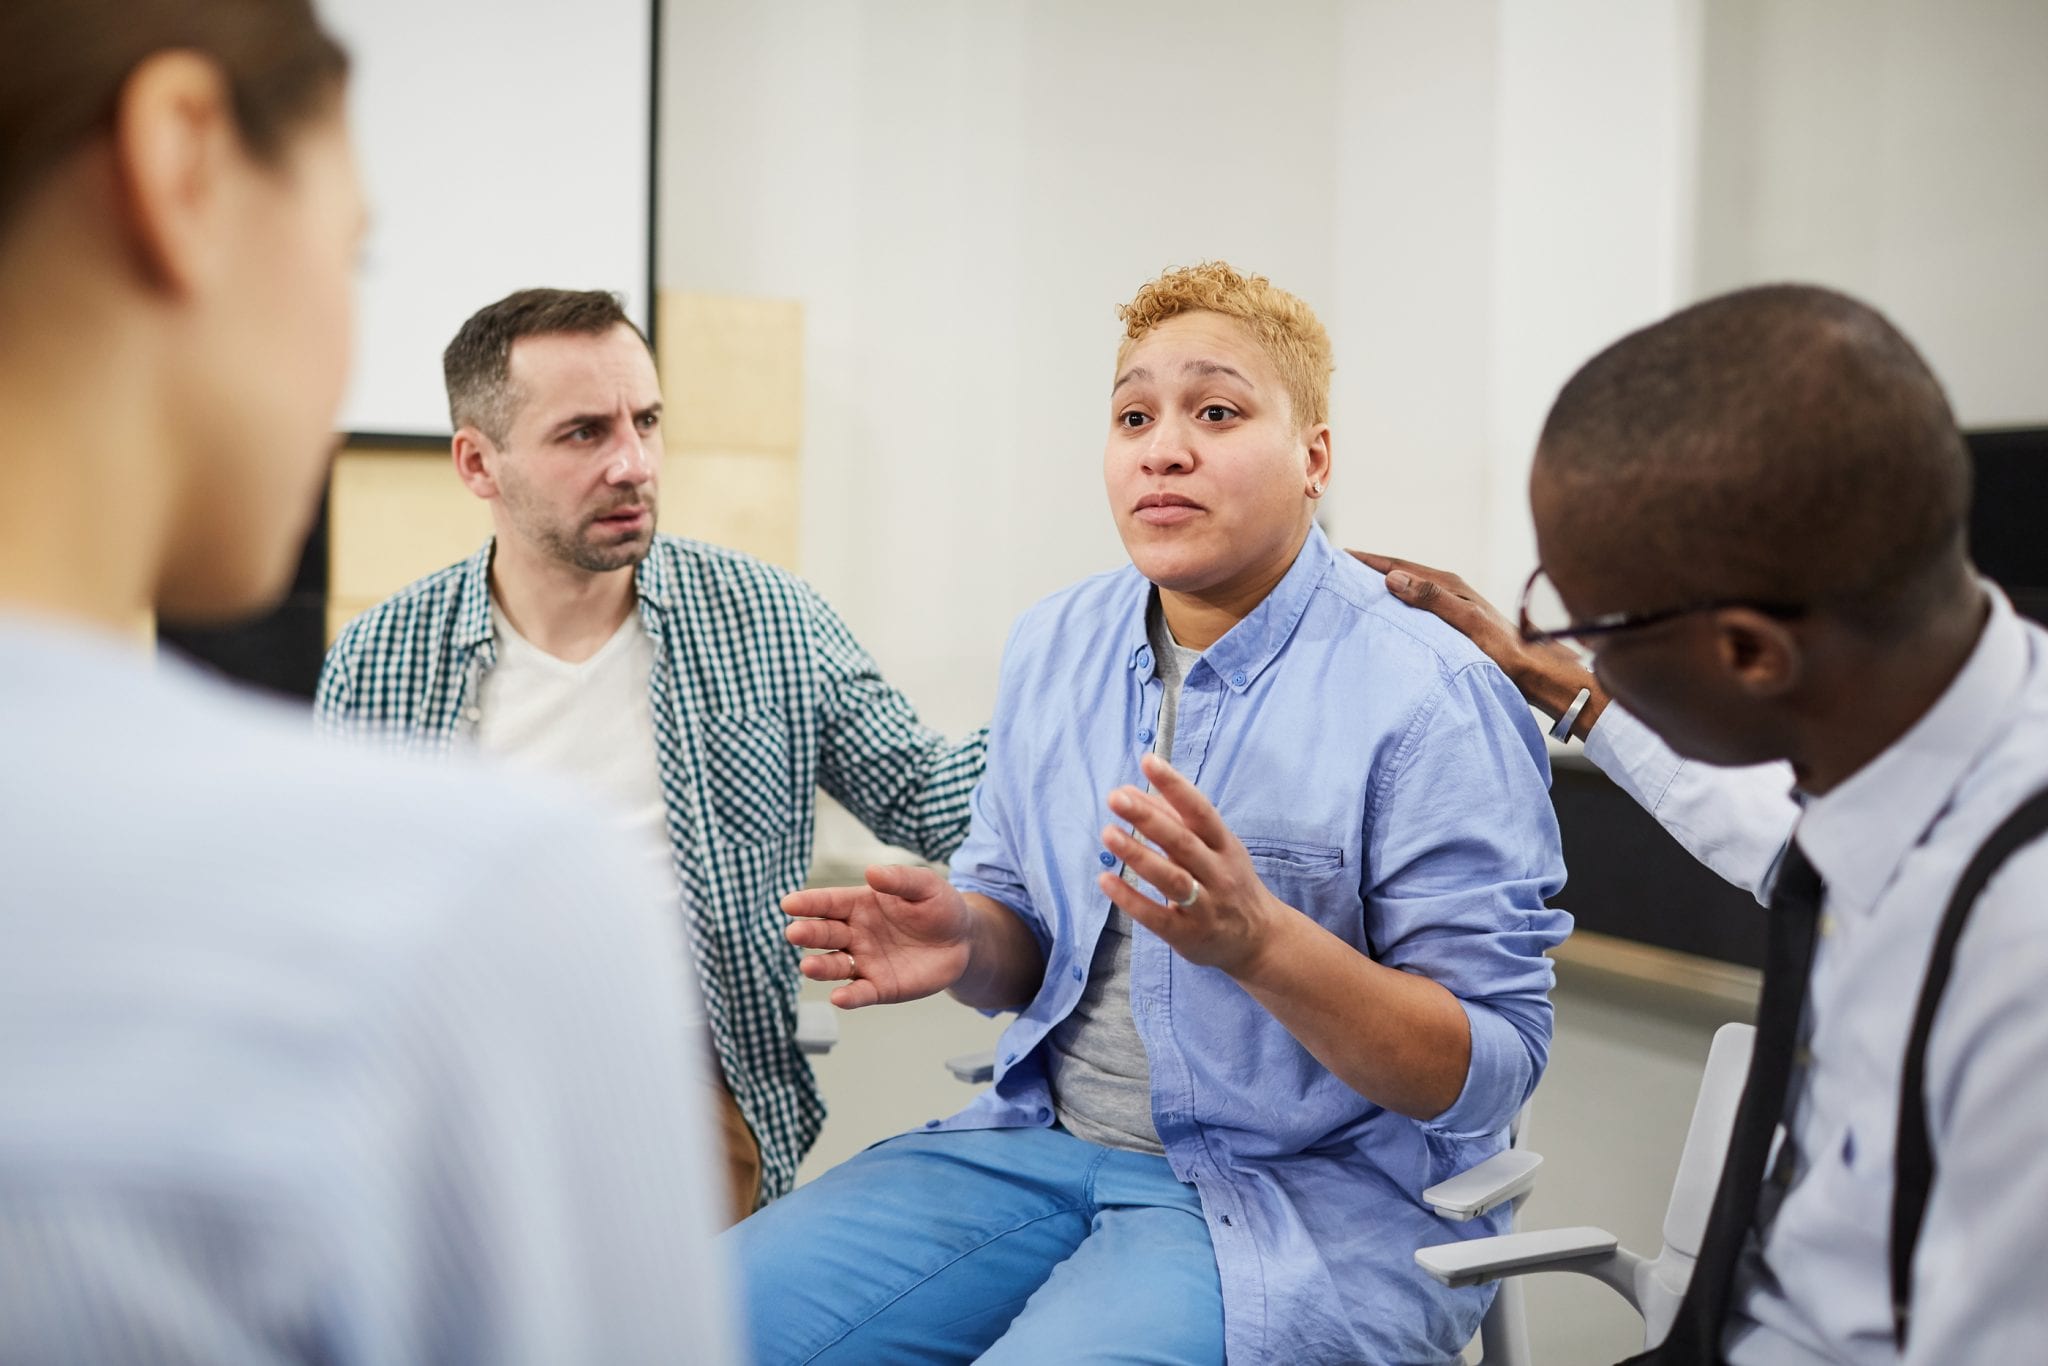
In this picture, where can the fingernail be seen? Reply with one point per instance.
(1399, 582)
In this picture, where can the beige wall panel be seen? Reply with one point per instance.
(340, 614)
(396, 515)
(736, 498)
(731, 372)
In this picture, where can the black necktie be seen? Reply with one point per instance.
(1795, 914)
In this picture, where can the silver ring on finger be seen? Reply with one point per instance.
(1194, 895)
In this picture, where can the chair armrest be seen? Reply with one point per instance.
(1503, 1177)
(817, 1027)
(1488, 1259)
(976, 1069)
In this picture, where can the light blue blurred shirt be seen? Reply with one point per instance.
(308, 1055)
(1389, 782)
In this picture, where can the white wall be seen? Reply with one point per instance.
(467, 175)
(1897, 149)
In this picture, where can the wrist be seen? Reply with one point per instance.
(1268, 945)
(1551, 680)
(1595, 704)
(1002, 966)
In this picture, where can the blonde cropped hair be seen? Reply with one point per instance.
(1287, 328)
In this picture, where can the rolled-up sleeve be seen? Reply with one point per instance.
(1463, 847)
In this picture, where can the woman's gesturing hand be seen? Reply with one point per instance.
(907, 933)
(1218, 913)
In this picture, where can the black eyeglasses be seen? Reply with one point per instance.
(1541, 604)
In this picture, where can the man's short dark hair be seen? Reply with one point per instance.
(1783, 443)
(477, 365)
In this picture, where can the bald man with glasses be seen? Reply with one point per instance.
(1752, 520)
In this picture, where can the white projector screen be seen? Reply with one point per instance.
(504, 144)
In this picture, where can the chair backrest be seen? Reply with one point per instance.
(1661, 1287)
(1658, 1287)
(1706, 1140)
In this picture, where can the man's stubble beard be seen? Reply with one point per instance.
(575, 549)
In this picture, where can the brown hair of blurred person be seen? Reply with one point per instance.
(179, 222)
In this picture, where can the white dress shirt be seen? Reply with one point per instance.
(1891, 843)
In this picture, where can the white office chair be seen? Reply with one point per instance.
(817, 1027)
(1653, 1287)
(1504, 1178)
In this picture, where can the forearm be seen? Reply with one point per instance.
(1396, 1038)
(1734, 820)
(1005, 966)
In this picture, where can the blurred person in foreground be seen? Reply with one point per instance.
(1299, 979)
(306, 1056)
(1754, 515)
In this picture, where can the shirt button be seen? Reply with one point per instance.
(931, 1124)
(1079, 975)
(1237, 680)
(1145, 658)
(472, 714)
(1107, 859)
(1144, 735)
(1009, 1058)
(1043, 1114)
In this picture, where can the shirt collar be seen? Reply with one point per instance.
(1859, 833)
(652, 580)
(1248, 647)
(473, 599)
(655, 577)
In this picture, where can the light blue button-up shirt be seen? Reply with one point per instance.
(1388, 781)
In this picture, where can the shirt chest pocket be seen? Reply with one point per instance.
(1291, 858)
(1313, 878)
(746, 775)
(1293, 861)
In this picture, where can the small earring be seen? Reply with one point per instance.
(1315, 490)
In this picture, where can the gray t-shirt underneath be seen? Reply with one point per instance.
(1101, 1082)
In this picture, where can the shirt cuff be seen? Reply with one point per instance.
(1496, 1079)
(1628, 752)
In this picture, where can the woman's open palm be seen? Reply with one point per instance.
(902, 936)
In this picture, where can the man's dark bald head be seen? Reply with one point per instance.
(1783, 444)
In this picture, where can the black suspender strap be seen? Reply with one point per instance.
(1914, 1159)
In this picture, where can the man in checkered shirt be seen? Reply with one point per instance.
(704, 694)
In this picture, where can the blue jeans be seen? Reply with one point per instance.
(1018, 1246)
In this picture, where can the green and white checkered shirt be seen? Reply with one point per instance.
(760, 696)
